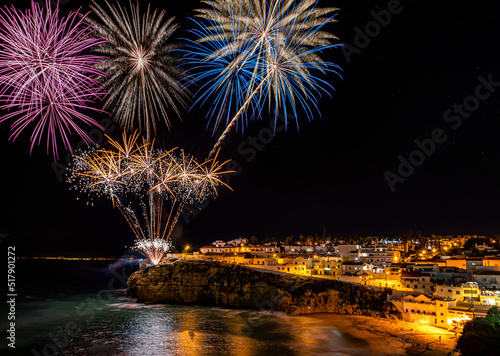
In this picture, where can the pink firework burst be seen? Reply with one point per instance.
(48, 76)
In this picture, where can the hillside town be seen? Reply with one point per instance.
(441, 281)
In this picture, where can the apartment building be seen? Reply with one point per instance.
(379, 254)
(418, 281)
(488, 279)
(469, 291)
(422, 308)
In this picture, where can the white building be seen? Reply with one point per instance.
(423, 308)
(425, 267)
(258, 250)
(327, 265)
(379, 254)
(487, 279)
(345, 250)
(418, 281)
(351, 268)
(469, 291)
(486, 248)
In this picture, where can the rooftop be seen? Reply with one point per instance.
(488, 273)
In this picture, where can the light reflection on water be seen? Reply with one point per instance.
(122, 327)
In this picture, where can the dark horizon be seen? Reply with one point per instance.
(407, 82)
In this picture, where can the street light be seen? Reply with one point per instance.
(234, 258)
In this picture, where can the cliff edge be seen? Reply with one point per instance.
(234, 286)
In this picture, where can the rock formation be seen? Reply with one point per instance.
(234, 286)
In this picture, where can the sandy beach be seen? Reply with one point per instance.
(393, 337)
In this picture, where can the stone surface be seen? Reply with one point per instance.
(234, 286)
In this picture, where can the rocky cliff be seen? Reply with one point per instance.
(233, 286)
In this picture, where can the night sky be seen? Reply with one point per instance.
(397, 89)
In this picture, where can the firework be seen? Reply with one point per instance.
(143, 78)
(46, 77)
(149, 186)
(224, 77)
(154, 249)
(260, 52)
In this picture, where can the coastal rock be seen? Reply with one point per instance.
(234, 286)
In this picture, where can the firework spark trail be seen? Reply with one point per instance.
(142, 66)
(46, 75)
(143, 181)
(154, 249)
(272, 46)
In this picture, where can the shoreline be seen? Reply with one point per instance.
(391, 337)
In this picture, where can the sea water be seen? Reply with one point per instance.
(81, 308)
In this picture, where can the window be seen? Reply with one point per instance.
(415, 286)
(449, 290)
(442, 314)
(457, 292)
(440, 304)
(442, 322)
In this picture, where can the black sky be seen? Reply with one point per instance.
(331, 173)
